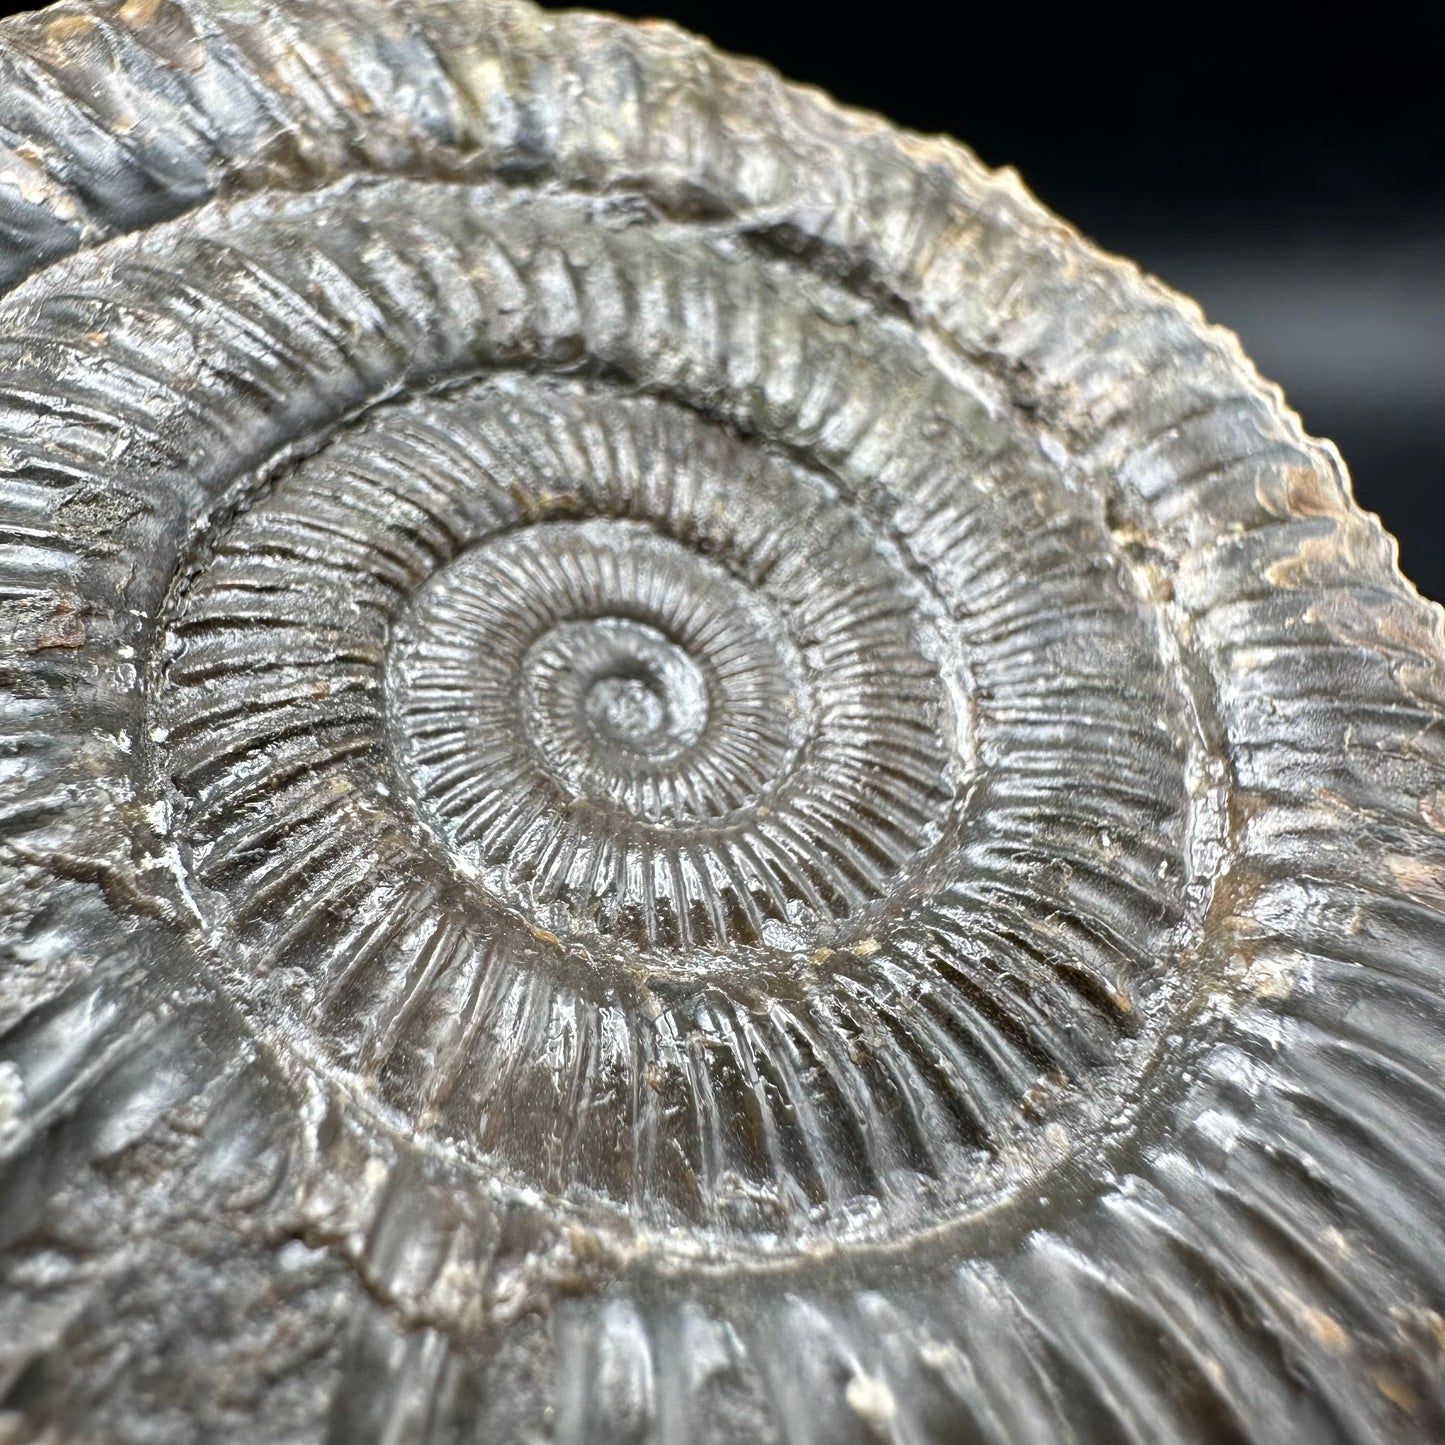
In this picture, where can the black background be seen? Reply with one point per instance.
(1286, 167)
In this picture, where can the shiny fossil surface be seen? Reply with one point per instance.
(672, 771)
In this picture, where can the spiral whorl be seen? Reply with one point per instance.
(673, 772)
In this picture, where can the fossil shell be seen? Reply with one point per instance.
(673, 772)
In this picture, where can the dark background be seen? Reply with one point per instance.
(1284, 166)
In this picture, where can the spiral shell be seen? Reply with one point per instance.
(673, 772)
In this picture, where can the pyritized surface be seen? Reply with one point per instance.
(673, 772)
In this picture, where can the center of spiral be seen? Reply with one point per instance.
(630, 711)
(573, 681)
(600, 687)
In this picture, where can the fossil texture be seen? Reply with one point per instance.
(673, 772)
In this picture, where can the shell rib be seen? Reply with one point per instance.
(671, 771)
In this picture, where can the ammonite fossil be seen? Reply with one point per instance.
(673, 772)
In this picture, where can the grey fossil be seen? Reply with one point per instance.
(672, 771)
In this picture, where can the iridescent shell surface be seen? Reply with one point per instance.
(671, 771)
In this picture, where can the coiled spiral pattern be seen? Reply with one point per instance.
(676, 773)
(434, 619)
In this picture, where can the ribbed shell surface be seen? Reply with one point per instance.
(672, 771)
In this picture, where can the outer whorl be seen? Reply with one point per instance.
(673, 772)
